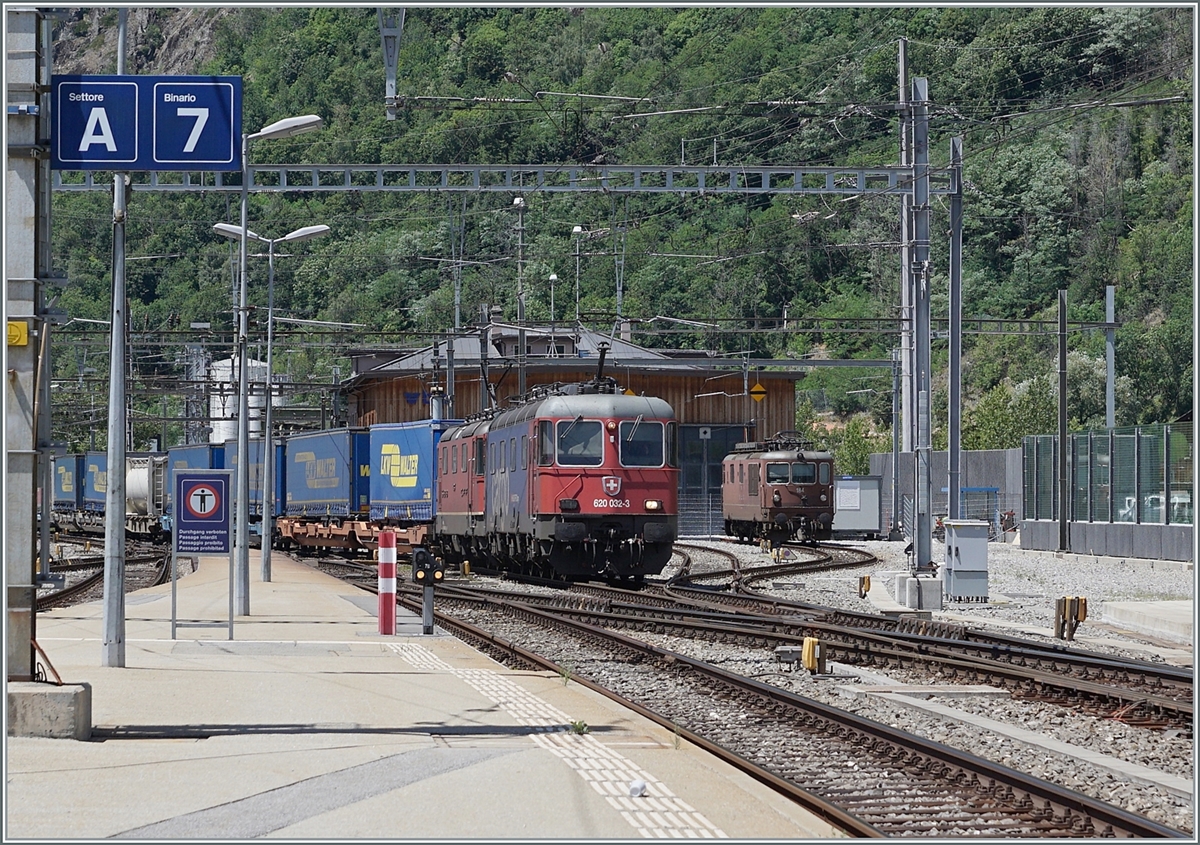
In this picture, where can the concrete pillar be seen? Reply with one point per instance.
(26, 219)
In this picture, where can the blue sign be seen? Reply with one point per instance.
(202, 511)
(146, 122)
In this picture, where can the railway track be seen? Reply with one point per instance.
(869, 779)
(837, 764)
(1137, 692)
(146, 565)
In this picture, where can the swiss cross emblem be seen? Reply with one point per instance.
(612, 485)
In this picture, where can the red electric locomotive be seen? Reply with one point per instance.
(579, 482)
(778, 490)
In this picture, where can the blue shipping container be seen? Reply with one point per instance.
(279, 480)
(194, 456)
(329, 473)
(254, 449)
(95, 483)
(403, 468)
(69, 478)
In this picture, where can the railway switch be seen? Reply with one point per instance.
(813, 656)
(787, 654)
(1069, 612)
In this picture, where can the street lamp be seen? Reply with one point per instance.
(286, 128)
(303, 234)
(553, 279)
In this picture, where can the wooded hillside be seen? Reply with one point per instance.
(1077, 127)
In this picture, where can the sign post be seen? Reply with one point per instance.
(201, 526)
(146, 122)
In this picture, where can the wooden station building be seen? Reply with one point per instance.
(718, 401)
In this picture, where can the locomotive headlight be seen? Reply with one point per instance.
(777, 499)
(568, 505)
(612, 426)
(824, 497)
(654, 504)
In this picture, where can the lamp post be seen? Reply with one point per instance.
(553, 279)
(285, 128)
(519, 205)
(238, 233)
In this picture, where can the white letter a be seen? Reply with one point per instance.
(98, 120)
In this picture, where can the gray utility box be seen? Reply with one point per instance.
(858, 506)
(965, 573)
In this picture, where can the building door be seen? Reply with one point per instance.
(701, 450)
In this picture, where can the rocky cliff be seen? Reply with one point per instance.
(158, 41)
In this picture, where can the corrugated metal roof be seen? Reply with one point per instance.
(466, 348)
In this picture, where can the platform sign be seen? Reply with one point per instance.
(201, 527)
(146, 122)
(202, 518)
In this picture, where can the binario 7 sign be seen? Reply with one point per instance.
(146, 122)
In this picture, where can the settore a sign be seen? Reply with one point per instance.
(146, 122)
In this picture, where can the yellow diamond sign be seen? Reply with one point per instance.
(758, 392)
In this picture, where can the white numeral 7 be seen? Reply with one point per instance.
(201, 116)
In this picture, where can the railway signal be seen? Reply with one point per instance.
(426, 569)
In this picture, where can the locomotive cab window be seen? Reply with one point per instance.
(480, 457)
(545, 443)
(804, 473)
(825, 473)
(580, 444)
(641, 443)
(778, 473)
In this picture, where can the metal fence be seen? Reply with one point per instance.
(1139, 474)
(700, 515)
(982, 504)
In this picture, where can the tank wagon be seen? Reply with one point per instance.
(79, 500)
(778, 490)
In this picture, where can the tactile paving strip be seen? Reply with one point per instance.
(656, 813)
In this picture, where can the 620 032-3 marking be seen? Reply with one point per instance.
(610, 503)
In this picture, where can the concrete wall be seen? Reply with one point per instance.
(1116, 539)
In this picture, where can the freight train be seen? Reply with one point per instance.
(579, 481)
(80, 488)
(778, 490)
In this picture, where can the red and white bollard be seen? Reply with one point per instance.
(387, 582)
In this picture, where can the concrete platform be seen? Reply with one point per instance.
(1170, 620)
(311, 725)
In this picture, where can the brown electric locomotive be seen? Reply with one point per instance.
(778, 490)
